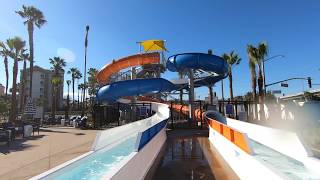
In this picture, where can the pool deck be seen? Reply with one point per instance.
(190, 155)
(33, 155)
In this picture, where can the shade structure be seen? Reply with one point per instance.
(153, 45)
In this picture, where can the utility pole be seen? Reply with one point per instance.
(85, 71)
(191, 94)
(222, 94)
(264, 72)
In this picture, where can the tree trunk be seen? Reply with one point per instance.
(181, 96)
(53, 108)
(22, 90)
(7, 74)
(30, 32)
(210, 94)
(261, 97)
(78, 99)
(72, 92)
(68, 105)
(230, 85)
(13, 110)
(254, 87)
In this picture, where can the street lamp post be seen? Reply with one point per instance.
(85, 70)
(264, 72)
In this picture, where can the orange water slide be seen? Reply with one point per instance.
(233, 135)
(130, 61)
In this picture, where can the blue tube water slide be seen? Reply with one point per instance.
(175, 63)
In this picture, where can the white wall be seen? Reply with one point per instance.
(285, 142)
(138, 166)
(109, 136)
(243, 164)
(282, 141)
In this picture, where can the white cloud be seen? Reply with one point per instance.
(66, 54)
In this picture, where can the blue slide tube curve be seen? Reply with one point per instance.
(116, 90)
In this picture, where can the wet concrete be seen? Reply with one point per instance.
(189, 155)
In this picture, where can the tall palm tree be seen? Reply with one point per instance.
(251, 50)
(33, 17)
(55, 81)
(17, 45)
(232, 59)
(24, 58)
(262, 52)
(5, 53)
(75, 74)
(58, 65)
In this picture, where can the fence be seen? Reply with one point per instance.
(119, 113)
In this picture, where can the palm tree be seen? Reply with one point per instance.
(256, 57)
(55, 81)
(58, 65)
(17, 45)
(5, 53)
(251, 50)
(262, 52)
(92, 81)
(232, 59)
(24, 58)
(75, 74)
(81, 88)
(32, 16)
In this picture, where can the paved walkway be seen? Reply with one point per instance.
(28, 157)
(190, 155)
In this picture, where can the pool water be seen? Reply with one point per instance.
(287, 166)
(97, 164)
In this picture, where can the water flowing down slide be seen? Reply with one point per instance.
(215, 65)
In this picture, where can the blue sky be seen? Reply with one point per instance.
(291, 28)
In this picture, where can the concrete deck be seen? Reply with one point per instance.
(189, 155)
(30, 156)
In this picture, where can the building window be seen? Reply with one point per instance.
(41, 82)
(42, 76)
(41, 89)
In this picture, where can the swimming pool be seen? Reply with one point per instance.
(97, 164)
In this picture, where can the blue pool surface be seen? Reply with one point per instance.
(287, 166)
(96, 164)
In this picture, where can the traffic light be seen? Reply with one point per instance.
(309, 82)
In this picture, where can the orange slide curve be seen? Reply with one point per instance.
(130, 61)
